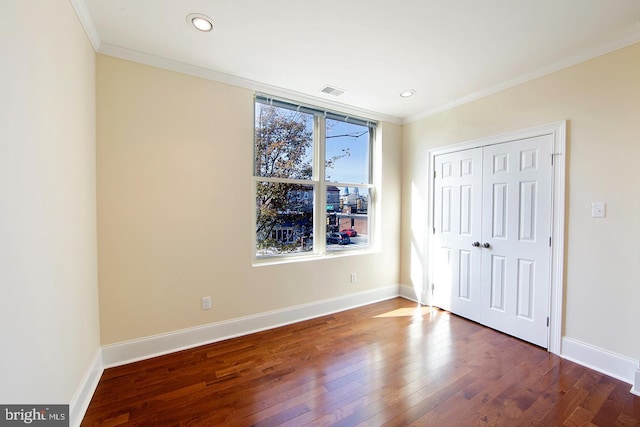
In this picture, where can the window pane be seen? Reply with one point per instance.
(348, 219)
(283, 143)
(347, 148)
(284, 218)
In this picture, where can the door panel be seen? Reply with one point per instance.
(498, 280)
(499, 211)
(525, 288)
(464, 284)
(527, 224)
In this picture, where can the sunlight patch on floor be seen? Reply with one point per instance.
(407, 312)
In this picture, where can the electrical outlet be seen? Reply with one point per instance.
(354, 278)
(205, 303)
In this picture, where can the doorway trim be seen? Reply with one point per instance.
(558, 130)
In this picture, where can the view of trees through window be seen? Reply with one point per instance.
(312, 179)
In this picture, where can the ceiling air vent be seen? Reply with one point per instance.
(332, 91)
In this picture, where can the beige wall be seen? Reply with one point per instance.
(601, 101)
(175, 209)
(48, 268)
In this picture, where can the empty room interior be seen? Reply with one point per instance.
(349, 213)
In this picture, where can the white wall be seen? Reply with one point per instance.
(48, 267)
(600, 99)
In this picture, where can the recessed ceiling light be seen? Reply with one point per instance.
(407, 93)
(200, 22)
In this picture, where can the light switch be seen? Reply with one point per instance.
(598, 210)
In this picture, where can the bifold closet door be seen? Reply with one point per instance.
(458, 228)
(492, 225)
(516, 225)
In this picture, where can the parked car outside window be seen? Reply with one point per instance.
(339, 238)
(349, 232)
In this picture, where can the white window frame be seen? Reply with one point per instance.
(319, 183)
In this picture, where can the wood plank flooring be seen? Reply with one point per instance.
(387, 364)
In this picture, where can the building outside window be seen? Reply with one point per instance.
(312, 177)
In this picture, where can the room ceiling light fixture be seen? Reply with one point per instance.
(407, 93)
(200, 22)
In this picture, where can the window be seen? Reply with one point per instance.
(312, 178)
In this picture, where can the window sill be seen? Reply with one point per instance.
(288, 259)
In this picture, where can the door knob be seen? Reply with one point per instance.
(486, 245)
(475, 244)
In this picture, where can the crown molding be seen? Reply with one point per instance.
(205, 73)
(565, 63)
(84, 16)
(80, 7)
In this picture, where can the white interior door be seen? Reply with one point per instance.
(458, 208)
(492, 225)
(516, 227)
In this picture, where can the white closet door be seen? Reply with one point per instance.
(516, 277)
(492, 229)
(457, 209)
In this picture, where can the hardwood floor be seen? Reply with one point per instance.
(391, 363)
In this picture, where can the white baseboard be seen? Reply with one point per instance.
(409, 293)
(603, 361)
(145, 348)
(83, 394)
(636, 385)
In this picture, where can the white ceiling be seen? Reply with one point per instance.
(449, 51)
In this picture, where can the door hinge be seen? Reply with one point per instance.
(547, 322)
(549, 241)
(433, 286)
(434, 174)
(434, 230)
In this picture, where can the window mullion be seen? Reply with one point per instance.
(350, 184)
(281, 180)
(320, 203)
